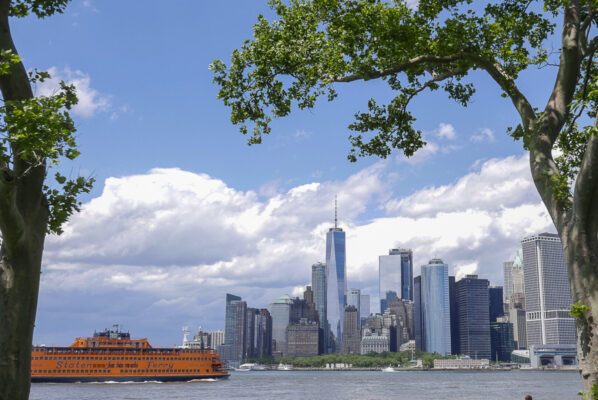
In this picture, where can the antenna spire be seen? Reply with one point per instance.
(335, 213)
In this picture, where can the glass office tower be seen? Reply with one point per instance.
(406, 274)
(435, 309)
(336, 281)
(319, 287)
(389, 277)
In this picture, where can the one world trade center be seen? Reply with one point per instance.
(336, 271)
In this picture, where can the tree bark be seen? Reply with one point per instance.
(582, 261)
(19, 283)
(23, 223)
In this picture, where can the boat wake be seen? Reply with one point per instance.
(204, 380)
(117, 383)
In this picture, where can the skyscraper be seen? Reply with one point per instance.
(495, 303)
(513, 291)
(455, 337)
(502, 343)
(352, 333)
(319, 287)
(235, 326)
(547, 292)
(435, 310)
(229, 318)
(389, 278)
(406, 274)
(417, 313)
(336, 280)
(364, 308)
(354, 299)
(280, 311)
(473, 315)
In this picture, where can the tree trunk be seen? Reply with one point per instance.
(19, 282)
(581, 251)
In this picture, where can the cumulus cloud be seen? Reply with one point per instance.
(90, 102)
(445, 131)
(485, 134)
(169, 244)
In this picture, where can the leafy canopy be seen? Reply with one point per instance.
(313, 44)
(40, 132)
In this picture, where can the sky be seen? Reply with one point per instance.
(184, 211)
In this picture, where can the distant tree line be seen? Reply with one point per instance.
(370, 360)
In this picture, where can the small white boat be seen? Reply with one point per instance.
(285, 367)
(251, 367)
(388, 369)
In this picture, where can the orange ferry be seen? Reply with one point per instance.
(111, 355)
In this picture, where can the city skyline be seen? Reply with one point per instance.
(201, 214)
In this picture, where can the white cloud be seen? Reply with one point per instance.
(446, 131)
(90, 102)
(171, 243)
(485, 134)
(498, 183)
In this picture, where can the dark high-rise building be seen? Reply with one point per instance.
(495, 302)
(403, 311)
(352, 333)
(263, 336)
(406, 274)
(308, 296)
(239, 328)
(250, 333)
(417, 313)
(455, 345)
(229, 322)
(319, 286)
(501, 334)
(302, 339)
(299, 309)
(472, 312)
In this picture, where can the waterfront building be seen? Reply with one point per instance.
(352, 333)
(455, 338)
(207, 340)
(473, 316)
(547, 293)
(319, 286)
(336, 280)
(302, 339)
(364, 308)
(374, 342)
(462, 363)
(517, 318)
(417, 314)
(553, 355)
(502, 343)
(280, 311)
(435, 310)
(495, 303)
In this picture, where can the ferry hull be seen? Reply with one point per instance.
(99, 379)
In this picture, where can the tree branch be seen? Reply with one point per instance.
(419, 60)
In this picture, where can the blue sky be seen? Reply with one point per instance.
(184, 211)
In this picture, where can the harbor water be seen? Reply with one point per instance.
(333, 385)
